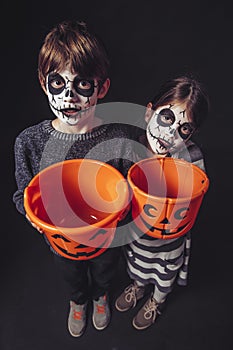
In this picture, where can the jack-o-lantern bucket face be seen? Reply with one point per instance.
(77, 204)
(167, 194)
(97, 243)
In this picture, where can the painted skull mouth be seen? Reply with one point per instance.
(69, 112)
(72, 112)
(166, 145)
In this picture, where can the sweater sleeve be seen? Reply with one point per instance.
(193, 154)
(23, 173)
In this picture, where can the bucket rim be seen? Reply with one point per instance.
(104, 223)
(203, 189)
(76, 160)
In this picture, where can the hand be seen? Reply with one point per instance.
(34, 225)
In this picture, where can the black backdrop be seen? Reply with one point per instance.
(148, 42)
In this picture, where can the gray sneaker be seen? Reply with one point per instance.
(101, 313)
(77, 319)
(128, 299)
(147, 314)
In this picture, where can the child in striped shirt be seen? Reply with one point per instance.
(172, 117)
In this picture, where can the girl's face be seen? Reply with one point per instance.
(168, 128)
(71, 98)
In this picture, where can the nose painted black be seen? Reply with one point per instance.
(172, 131)
(69, 93)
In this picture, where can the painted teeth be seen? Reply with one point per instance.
(161, 145)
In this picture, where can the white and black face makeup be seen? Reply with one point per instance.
(71, 97)
(168, 129)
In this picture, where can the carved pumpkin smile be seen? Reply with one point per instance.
(82, 252)
(72, 250)
(164, 231)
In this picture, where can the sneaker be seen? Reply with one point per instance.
(146, 315)
(128, 299)
(101, 313)
(77, 319)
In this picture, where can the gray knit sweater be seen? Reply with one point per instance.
(41, 145)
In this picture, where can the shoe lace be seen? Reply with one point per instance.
(101, 308)
(77, 315)
(150, 309)
(130, 294)
(78, 311)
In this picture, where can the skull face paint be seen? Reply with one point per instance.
(168, 129)
(70, 97)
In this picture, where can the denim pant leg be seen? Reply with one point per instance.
(75, 273)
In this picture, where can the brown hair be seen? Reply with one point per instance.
(184, 89)
(70, 42)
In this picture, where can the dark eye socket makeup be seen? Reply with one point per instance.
(56, 85)
(166, 118)
(185, 130)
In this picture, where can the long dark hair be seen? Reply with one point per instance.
(184, 89)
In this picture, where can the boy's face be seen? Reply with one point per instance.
(71, 98)
(168, 128)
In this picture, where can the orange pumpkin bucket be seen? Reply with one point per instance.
(167, 194)
(78, 204)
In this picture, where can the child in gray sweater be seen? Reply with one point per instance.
(73, 72)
